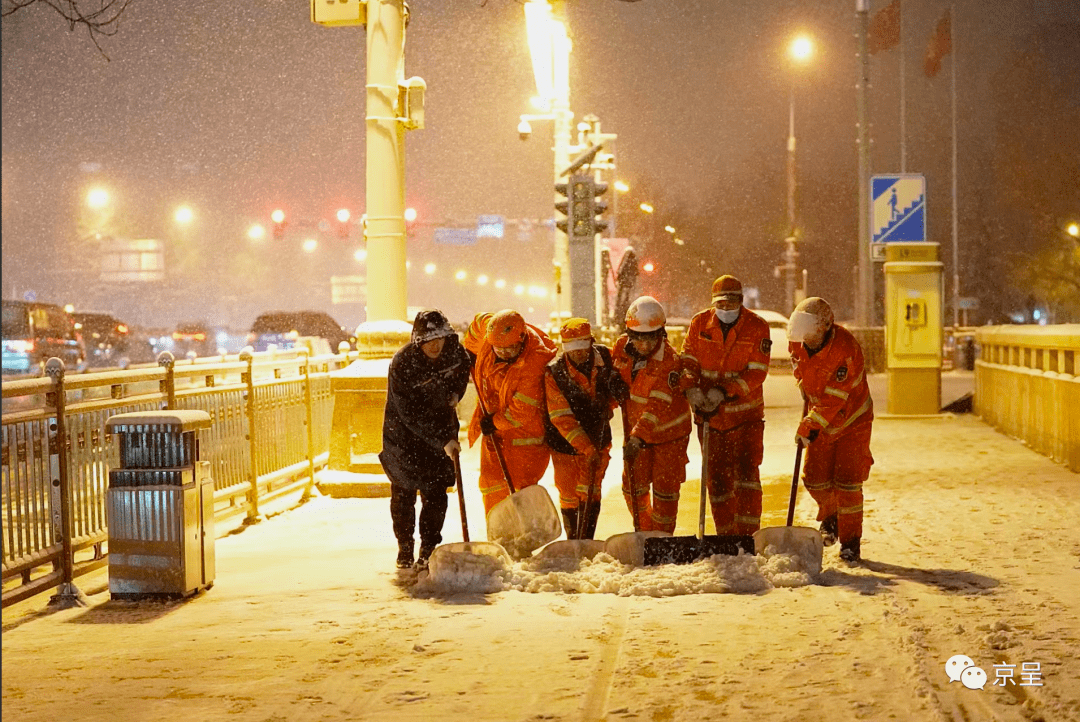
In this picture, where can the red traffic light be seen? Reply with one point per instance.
(278, 217)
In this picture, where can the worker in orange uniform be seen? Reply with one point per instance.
(828, 364)
(580, 407)
(657, 417)
(511, 357)
(725, 360)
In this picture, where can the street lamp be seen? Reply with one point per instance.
(1073, 229)
(184, 215)
(622, 187)
(256, 232)
(97, 198)
(800, 50)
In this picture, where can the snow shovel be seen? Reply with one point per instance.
(801, 542)
(527, 519)
(689, 549)
(458, 555)
(578, 548)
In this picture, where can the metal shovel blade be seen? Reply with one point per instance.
(689, 549)
(524, 521)
(801, 542)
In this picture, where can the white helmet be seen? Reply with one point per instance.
(645, 315)
(810, 321)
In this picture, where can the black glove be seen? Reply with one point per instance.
(487, 425)
(618, 388)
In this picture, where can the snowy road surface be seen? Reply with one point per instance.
(971, 547)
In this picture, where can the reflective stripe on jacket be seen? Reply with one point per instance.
(833, 381)
(736, 363)
(599, 402)
(657, 410)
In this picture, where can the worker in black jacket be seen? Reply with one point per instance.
(427, 378)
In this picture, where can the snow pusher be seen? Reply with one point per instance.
(689, 549)
(527, 519)
(801, 542)
(483, 558)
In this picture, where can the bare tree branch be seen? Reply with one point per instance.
(100, 21)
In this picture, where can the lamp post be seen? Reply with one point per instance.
(800, 50)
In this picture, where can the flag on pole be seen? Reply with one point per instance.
(885, 29)
(940, 45)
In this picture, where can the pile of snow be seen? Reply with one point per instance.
(604, 574)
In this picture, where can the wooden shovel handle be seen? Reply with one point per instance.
(628, 469)
(494, 438)
(795, 476)
(460, 496)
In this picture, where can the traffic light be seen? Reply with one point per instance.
(278, 217)
(598, 206)
(343, 217)
(579, 207)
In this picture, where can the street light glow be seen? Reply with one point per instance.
(97, 198)
(184, 215)
(621, 187)
(1073, 230)
(801, 48)
(481, 280)
(309, 245)
(410, 215)
(648, 267)
(519, 290)
(461, 275)
(277, 216)
(429, 269)
(680, 242)
(646, 207)
(500, 283)
(256, 232)
(360, 255)
(343, 215)
(537, 291)
(669, 229)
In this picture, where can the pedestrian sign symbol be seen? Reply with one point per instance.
(898, 208)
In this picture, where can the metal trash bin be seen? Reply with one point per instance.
(160, 506)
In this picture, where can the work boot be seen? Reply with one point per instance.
(424, 556)
(828, 530)
(590, 521)
(569, 522)
(405, 556)
(849, 550)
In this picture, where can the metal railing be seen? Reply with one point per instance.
(270, 432)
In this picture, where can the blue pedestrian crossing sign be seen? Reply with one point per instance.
(898, 208)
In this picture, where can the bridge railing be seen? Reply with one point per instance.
(1027, 385)
(271, 417)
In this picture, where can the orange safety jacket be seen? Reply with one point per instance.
(833, 381)
(562, 414)
(657, 411)
(513, 393)
(737, 364)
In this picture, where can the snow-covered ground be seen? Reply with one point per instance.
(971, 547)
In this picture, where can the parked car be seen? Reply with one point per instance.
(193, 336)
(281, 329)
(105, 337)
(778, 333)
(35, 332)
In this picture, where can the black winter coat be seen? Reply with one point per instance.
(419, 419)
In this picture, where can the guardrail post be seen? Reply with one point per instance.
(248, 379)
(309, 422)
(68, 595)
(168, 384)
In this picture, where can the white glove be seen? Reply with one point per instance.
(695, 397)
(713, 399)
(452, 448)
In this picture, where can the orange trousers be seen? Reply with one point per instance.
(734, 477)
(834, 471)
(572, 477)
(660, 469)
(527, 465)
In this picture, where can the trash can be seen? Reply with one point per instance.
(160, 506)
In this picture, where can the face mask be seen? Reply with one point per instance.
(727, 316)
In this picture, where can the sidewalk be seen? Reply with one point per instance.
(971, 547)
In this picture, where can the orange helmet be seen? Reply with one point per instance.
(727, 288)
(576, 334)
(645, 315)
(506, 328)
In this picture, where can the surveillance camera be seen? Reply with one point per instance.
(524, 130)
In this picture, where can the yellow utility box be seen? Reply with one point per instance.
(335, 13)
(913, 327)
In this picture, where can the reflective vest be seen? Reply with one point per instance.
(736, 363)
(657, 411)
(833, 381)
(579, 408)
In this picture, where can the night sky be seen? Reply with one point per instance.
(240, 108)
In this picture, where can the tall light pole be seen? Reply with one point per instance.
(800, 50)
(864, 315)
